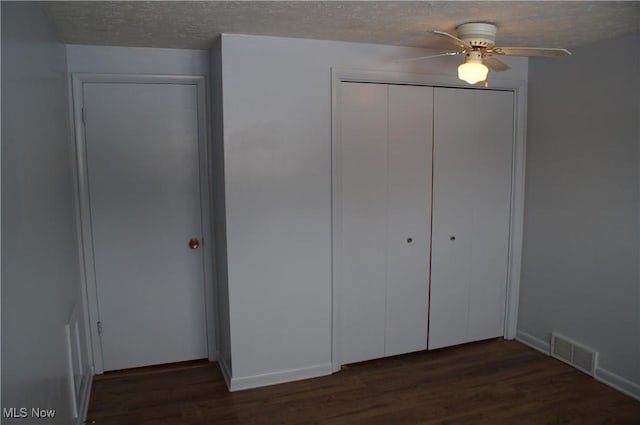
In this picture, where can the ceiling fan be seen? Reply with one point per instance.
(476, 40)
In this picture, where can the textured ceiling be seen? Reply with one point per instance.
(194, 25)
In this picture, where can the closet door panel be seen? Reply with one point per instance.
(473, 134)
(491, 213)
(409, 217)
(361, 159)
(451, 244)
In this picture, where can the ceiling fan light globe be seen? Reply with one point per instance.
(472, 72)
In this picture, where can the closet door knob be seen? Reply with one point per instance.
(194, 243)
(409, 240)
(452, 238)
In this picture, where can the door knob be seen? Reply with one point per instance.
(194, 243)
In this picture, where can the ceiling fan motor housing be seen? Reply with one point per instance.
(478, 34)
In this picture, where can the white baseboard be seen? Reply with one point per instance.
(606, 377)
(533, 342)
(225, 370)
(279, 377)
(618, 382)
(85, 396)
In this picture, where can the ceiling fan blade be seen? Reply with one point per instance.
(431, 56)
(457, 40)
(495, 63)
(531, 51)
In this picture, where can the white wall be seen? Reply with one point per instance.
(277, 169)
(137, 60)
(222, 281)
(40, 256)
(580, 273)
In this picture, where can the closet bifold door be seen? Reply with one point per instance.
(383, 160)
(473, 142)
(408, 217)
(362, 189)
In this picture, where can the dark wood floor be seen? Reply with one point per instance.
(492, 382)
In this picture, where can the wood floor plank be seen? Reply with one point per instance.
(492, 382)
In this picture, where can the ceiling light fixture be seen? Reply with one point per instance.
(473, 70)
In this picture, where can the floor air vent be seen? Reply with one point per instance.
(577, 355)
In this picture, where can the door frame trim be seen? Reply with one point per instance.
(519, 89)
(89, 288)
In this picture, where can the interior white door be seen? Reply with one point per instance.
(383, 162)
(143, 177)
(409, 149)
(473, 139)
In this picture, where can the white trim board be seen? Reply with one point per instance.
(533, 342)
(608, 378)
(279, 377)
(85, 396)
(225, 370)
(90, 298)
(618, 382)
(519, 88)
